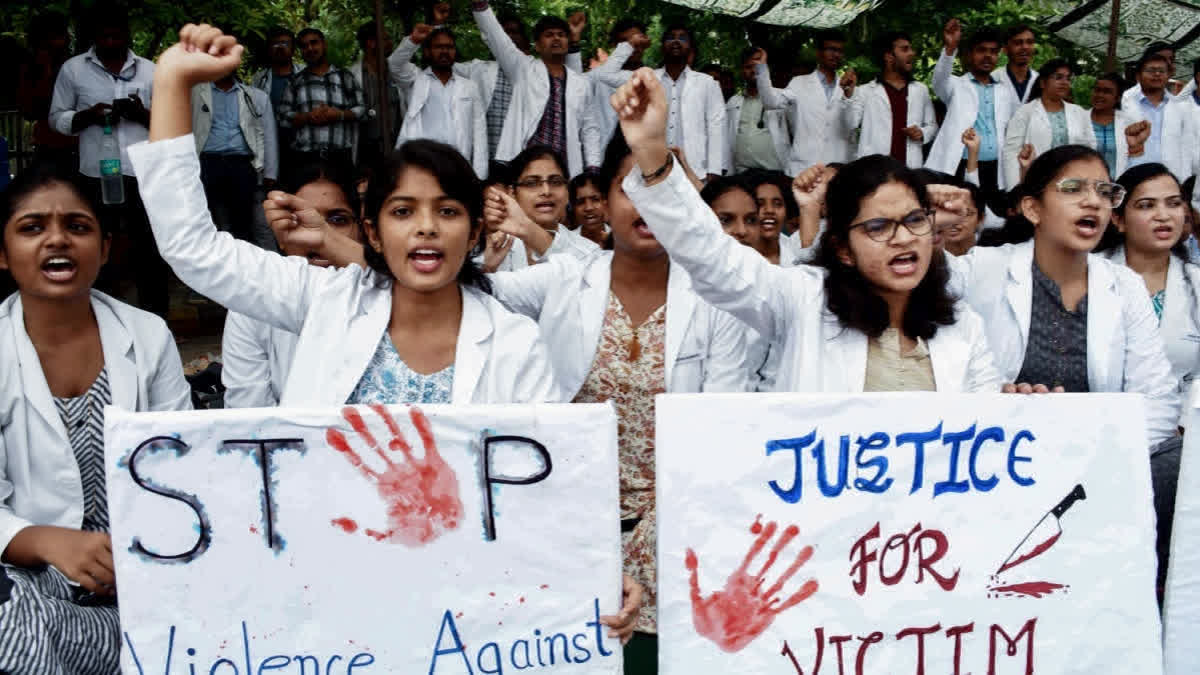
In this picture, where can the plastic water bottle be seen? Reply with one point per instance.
(112, 186)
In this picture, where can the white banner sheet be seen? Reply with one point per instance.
(443, 539)
(905, 533)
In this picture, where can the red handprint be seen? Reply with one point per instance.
(735, 616)
(421, 494)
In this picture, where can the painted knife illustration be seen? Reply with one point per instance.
(1044, 534)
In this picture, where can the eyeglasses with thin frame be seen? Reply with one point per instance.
(919, 222)
(1112, 193)
(535, 182)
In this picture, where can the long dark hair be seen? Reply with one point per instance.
(455, 176)
(1041, 173)
(848, 294)
(1130, 180)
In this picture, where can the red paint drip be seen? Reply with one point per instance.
(253, 530)
(492, 594)
(544, 586)
(458, 616)
(736, 615)
(1034, 589)
(521, 600)
(757, 527)
(1040, 549)
(346, 524)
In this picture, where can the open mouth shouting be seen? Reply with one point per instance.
(642, 230)
(59, 268)
(1088, 227)
(426, 260)
(904, 264)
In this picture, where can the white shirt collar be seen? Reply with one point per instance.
(130, 60)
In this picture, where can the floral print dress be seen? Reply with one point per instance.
(629, 370)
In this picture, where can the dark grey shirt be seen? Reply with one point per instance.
(1056, 354)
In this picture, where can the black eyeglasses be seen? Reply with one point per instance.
(534, 182)
(919, 223)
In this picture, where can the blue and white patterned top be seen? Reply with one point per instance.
(389, 381)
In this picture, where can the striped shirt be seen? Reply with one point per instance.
(552, 130)
(308, 91)
(498, 110)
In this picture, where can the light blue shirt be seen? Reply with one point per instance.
(225, 137)
(1155, 114)
(828, 86)
(985, 121)
(437, 116)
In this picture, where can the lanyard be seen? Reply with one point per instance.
(115, 76)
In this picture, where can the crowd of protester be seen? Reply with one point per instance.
(535, 230)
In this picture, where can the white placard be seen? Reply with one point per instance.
(905, 533)
(1181, 606)
(366, 540)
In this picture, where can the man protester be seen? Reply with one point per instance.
(110, 85)
(599, 114)
(494, 85)
(443, 105)
(695, 105)
(895, 112)
(973, 100)
(234, 128)
(275, 77)
(818, 105)
(1018, 75)
(1173, 87)
(371, 145)
(1174, 124)
(549, 95)
(322, 106)
(757, 138)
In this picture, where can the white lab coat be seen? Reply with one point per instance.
(1131, 96)
(531, 91)
(1031, 124)
(39, 476)
(566, 241)
(256, 119)
(1180, 323)
(821, 128)
(484, 74)
(705, 347)
(871, 108)
(787, 305)
(1180, 136)
(470, 123)
(776, 122)
(1001, 75)
(340, 315)
(255, 360)
(702, 116)
(962, 107)
(1125, 350)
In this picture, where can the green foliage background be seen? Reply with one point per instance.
(721, 37)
